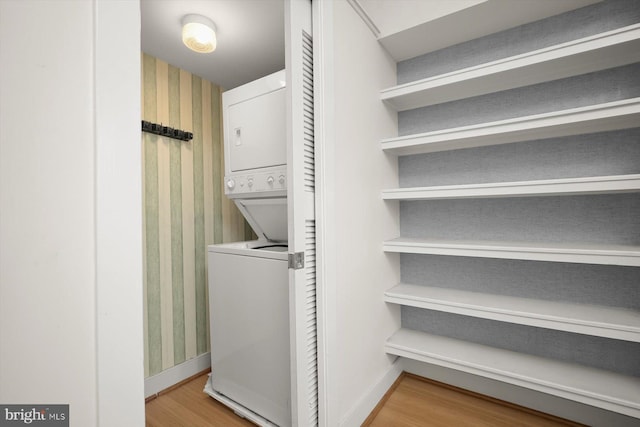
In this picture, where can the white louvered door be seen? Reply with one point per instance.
(301, 187)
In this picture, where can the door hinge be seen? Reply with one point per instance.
(296, 260)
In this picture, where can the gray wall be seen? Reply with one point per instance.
(598, 87)
(597, 154)
(605, 285)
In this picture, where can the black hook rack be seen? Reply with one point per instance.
(169, 132)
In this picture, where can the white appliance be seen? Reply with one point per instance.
(255, 150)
(248, 281)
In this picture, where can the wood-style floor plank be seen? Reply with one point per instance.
(188, 406)
(417, 402)
(412, 402)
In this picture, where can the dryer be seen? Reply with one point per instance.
(248, 281)
(255, 150)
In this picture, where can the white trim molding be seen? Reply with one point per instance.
(326, 299)
(172, 376)
(355, 4)
(368, 401)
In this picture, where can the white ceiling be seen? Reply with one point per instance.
(250, 37)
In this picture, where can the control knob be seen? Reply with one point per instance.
(270, 180)
(250, 182)
(231, 184)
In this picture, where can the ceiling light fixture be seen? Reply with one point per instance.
(199, 33)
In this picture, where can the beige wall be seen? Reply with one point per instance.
(184, 211)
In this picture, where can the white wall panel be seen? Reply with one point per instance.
(356, 219)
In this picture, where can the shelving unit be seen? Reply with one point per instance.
(600, 388)
(583, 254)
(608, 322)
(547, 187)
(575, 121)
(583, 384)
(606, 50)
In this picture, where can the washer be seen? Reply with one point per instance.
(250, 331)
(249, 318)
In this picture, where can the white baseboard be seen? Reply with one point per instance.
(542, 402)
(165, 379)
(356, 416)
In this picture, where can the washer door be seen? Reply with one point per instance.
(267, 217)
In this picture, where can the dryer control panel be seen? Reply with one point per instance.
(272, 183)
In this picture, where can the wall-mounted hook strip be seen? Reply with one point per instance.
(158, 129)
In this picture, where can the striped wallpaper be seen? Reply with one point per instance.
(184, 211)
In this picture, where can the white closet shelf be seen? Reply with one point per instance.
(608, 322)
(464, 22)
(596, 387)
(547, 187)
(607, 116)
(554, 252)
(605, 50)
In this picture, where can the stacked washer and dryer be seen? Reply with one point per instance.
(248, 281)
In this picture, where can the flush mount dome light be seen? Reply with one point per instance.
(199, 33)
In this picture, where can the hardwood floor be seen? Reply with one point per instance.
(418, 402)
(188, 406)
(412, 402)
